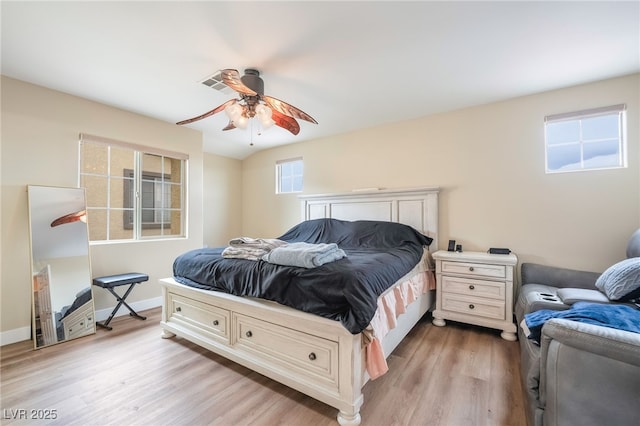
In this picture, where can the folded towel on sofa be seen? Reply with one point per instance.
(619, 316)
(304, 255)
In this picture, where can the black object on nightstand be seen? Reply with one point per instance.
(494, 250)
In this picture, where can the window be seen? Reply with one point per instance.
(133, 192)
(289, 175)
(155, 197)
(586, 140)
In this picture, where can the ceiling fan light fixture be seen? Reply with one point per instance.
(241, 122)
(263, 113)
(263, 110)
(234, 111)
(266, 122)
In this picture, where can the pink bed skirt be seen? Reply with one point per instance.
(391, 305)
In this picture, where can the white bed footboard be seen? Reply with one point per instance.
(311, 354)
(314, 355)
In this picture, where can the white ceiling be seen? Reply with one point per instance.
(350, 65)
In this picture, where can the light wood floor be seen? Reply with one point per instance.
(453, 375)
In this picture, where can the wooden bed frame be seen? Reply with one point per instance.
(314, 355)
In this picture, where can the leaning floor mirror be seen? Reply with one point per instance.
(60, 267)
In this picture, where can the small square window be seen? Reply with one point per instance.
(289, 174)
(586, 140)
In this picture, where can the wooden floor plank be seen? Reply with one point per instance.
(439, 376)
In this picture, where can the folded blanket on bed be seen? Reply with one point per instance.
(258, 243)
(247, 253)
(251, 248)
(621, 317)
(304, 255)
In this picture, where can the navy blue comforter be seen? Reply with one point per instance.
(378, 254)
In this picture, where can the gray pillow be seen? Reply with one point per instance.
(621, 281)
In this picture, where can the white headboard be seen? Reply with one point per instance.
(417, 207)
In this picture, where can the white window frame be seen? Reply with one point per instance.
(280, 177)
(138, 226)
(579, 117)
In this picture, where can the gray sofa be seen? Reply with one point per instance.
(579, 373)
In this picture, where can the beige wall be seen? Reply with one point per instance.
(489, 162)
(222, 199)
(40, 129)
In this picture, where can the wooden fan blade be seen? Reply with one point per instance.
(71, 217)
(285, 121)
(210, 113)
(286, 109)
(232, 79)
(229, 126)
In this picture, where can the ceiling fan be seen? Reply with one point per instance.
(254, 103)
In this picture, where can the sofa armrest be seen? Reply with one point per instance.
(589, 375)
(533, 273)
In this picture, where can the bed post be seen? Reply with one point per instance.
(166, 334)
(351, 360)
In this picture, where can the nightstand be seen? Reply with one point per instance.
(475, 288)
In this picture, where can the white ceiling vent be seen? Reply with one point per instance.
(215, 82)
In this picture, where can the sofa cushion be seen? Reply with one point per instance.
(569, 296)
(621, 282)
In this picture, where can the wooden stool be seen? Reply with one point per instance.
(111, 281)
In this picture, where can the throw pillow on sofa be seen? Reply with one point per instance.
(621, 282)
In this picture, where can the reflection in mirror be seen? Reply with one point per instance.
(62, 300)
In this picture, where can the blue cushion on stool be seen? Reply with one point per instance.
(120, 279)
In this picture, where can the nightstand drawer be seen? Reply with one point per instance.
(475, 269)
(486, 308)
(472, 287)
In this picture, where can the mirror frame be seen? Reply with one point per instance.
(65, 217)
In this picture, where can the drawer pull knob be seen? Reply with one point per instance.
(471, 268)
(312, 356)
(215, 322)
(178, 309)
(249, 333)
(471, 287)
(471, 306)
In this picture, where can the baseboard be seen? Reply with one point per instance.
(24, 333)
(16, 335)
